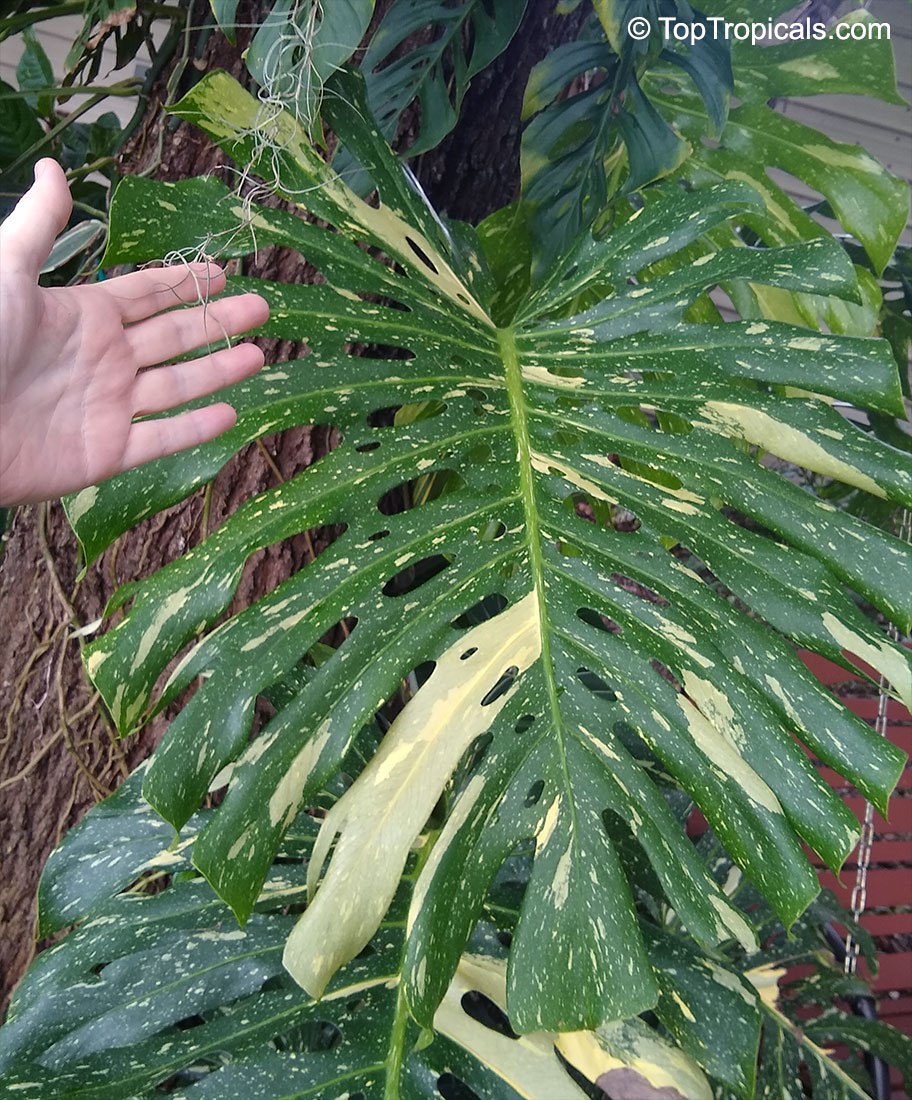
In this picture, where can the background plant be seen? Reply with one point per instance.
(42, 115)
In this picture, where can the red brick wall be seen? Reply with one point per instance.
(888, 914)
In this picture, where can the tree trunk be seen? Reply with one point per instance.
(59, 753)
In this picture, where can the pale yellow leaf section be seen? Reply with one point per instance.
(527, 1064)
(231, 112)
(379, 817)
(785, 441)
(885, 658)
(530, 1065)
(633, 1046)
(765, 979)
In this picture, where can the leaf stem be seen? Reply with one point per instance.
(399, 1030)
(121, 88)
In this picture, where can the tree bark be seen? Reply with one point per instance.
(59, 753)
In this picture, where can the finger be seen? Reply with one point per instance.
(144, 293)
(151, 439)
(28, 234)
(172, 334)
(163, 388)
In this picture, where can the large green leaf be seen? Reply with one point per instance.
(572, 160)
(868, 201)
(158, 990)
(610, 666)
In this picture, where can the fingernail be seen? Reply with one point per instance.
(40, 168)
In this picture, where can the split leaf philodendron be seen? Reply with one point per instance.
(101, 1017)
(606, 668)
(279, 1041)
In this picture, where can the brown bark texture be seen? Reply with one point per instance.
(59, 753)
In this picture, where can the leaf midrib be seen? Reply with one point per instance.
(506, 339)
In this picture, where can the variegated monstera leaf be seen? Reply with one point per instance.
(157, 990)
(595, 460)
(680, 122)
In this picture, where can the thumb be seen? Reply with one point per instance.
(27, 235)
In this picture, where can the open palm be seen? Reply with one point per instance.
(79, 364)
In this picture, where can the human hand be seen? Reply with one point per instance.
(73, 360)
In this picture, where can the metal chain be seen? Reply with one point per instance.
(866, 843)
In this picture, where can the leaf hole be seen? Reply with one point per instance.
(363, 448)
(397, 416)
(382, 300)
(590, 508)
(416, 411)
(188, 1023)
(377, 535)
(309, 1038)
(477, 751)
(623, 520)
(527, 721)
(568, 549)
(637, 589)
(492, 531)
(468, 653)
(422, 256)
(451, 1088)
(596, 684)
(665, 672)
(377, 351)
(488, 607)
(503, 685)
(420, 490)
(534, 793)
(591, 617)
(479, 455)
(486, 1012)
(400, 584)
(566, 438)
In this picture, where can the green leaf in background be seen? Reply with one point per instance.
(102, 20)
(868, 201)
(575, 146)
(570, 155)
(460, 40)
(20, 128)
(72, 242)
(298, 47)
(831, 66)
(34, 72)
(653, 148)
(225, 13)
(535, 425)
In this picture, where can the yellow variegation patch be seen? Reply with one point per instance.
(380, 816)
